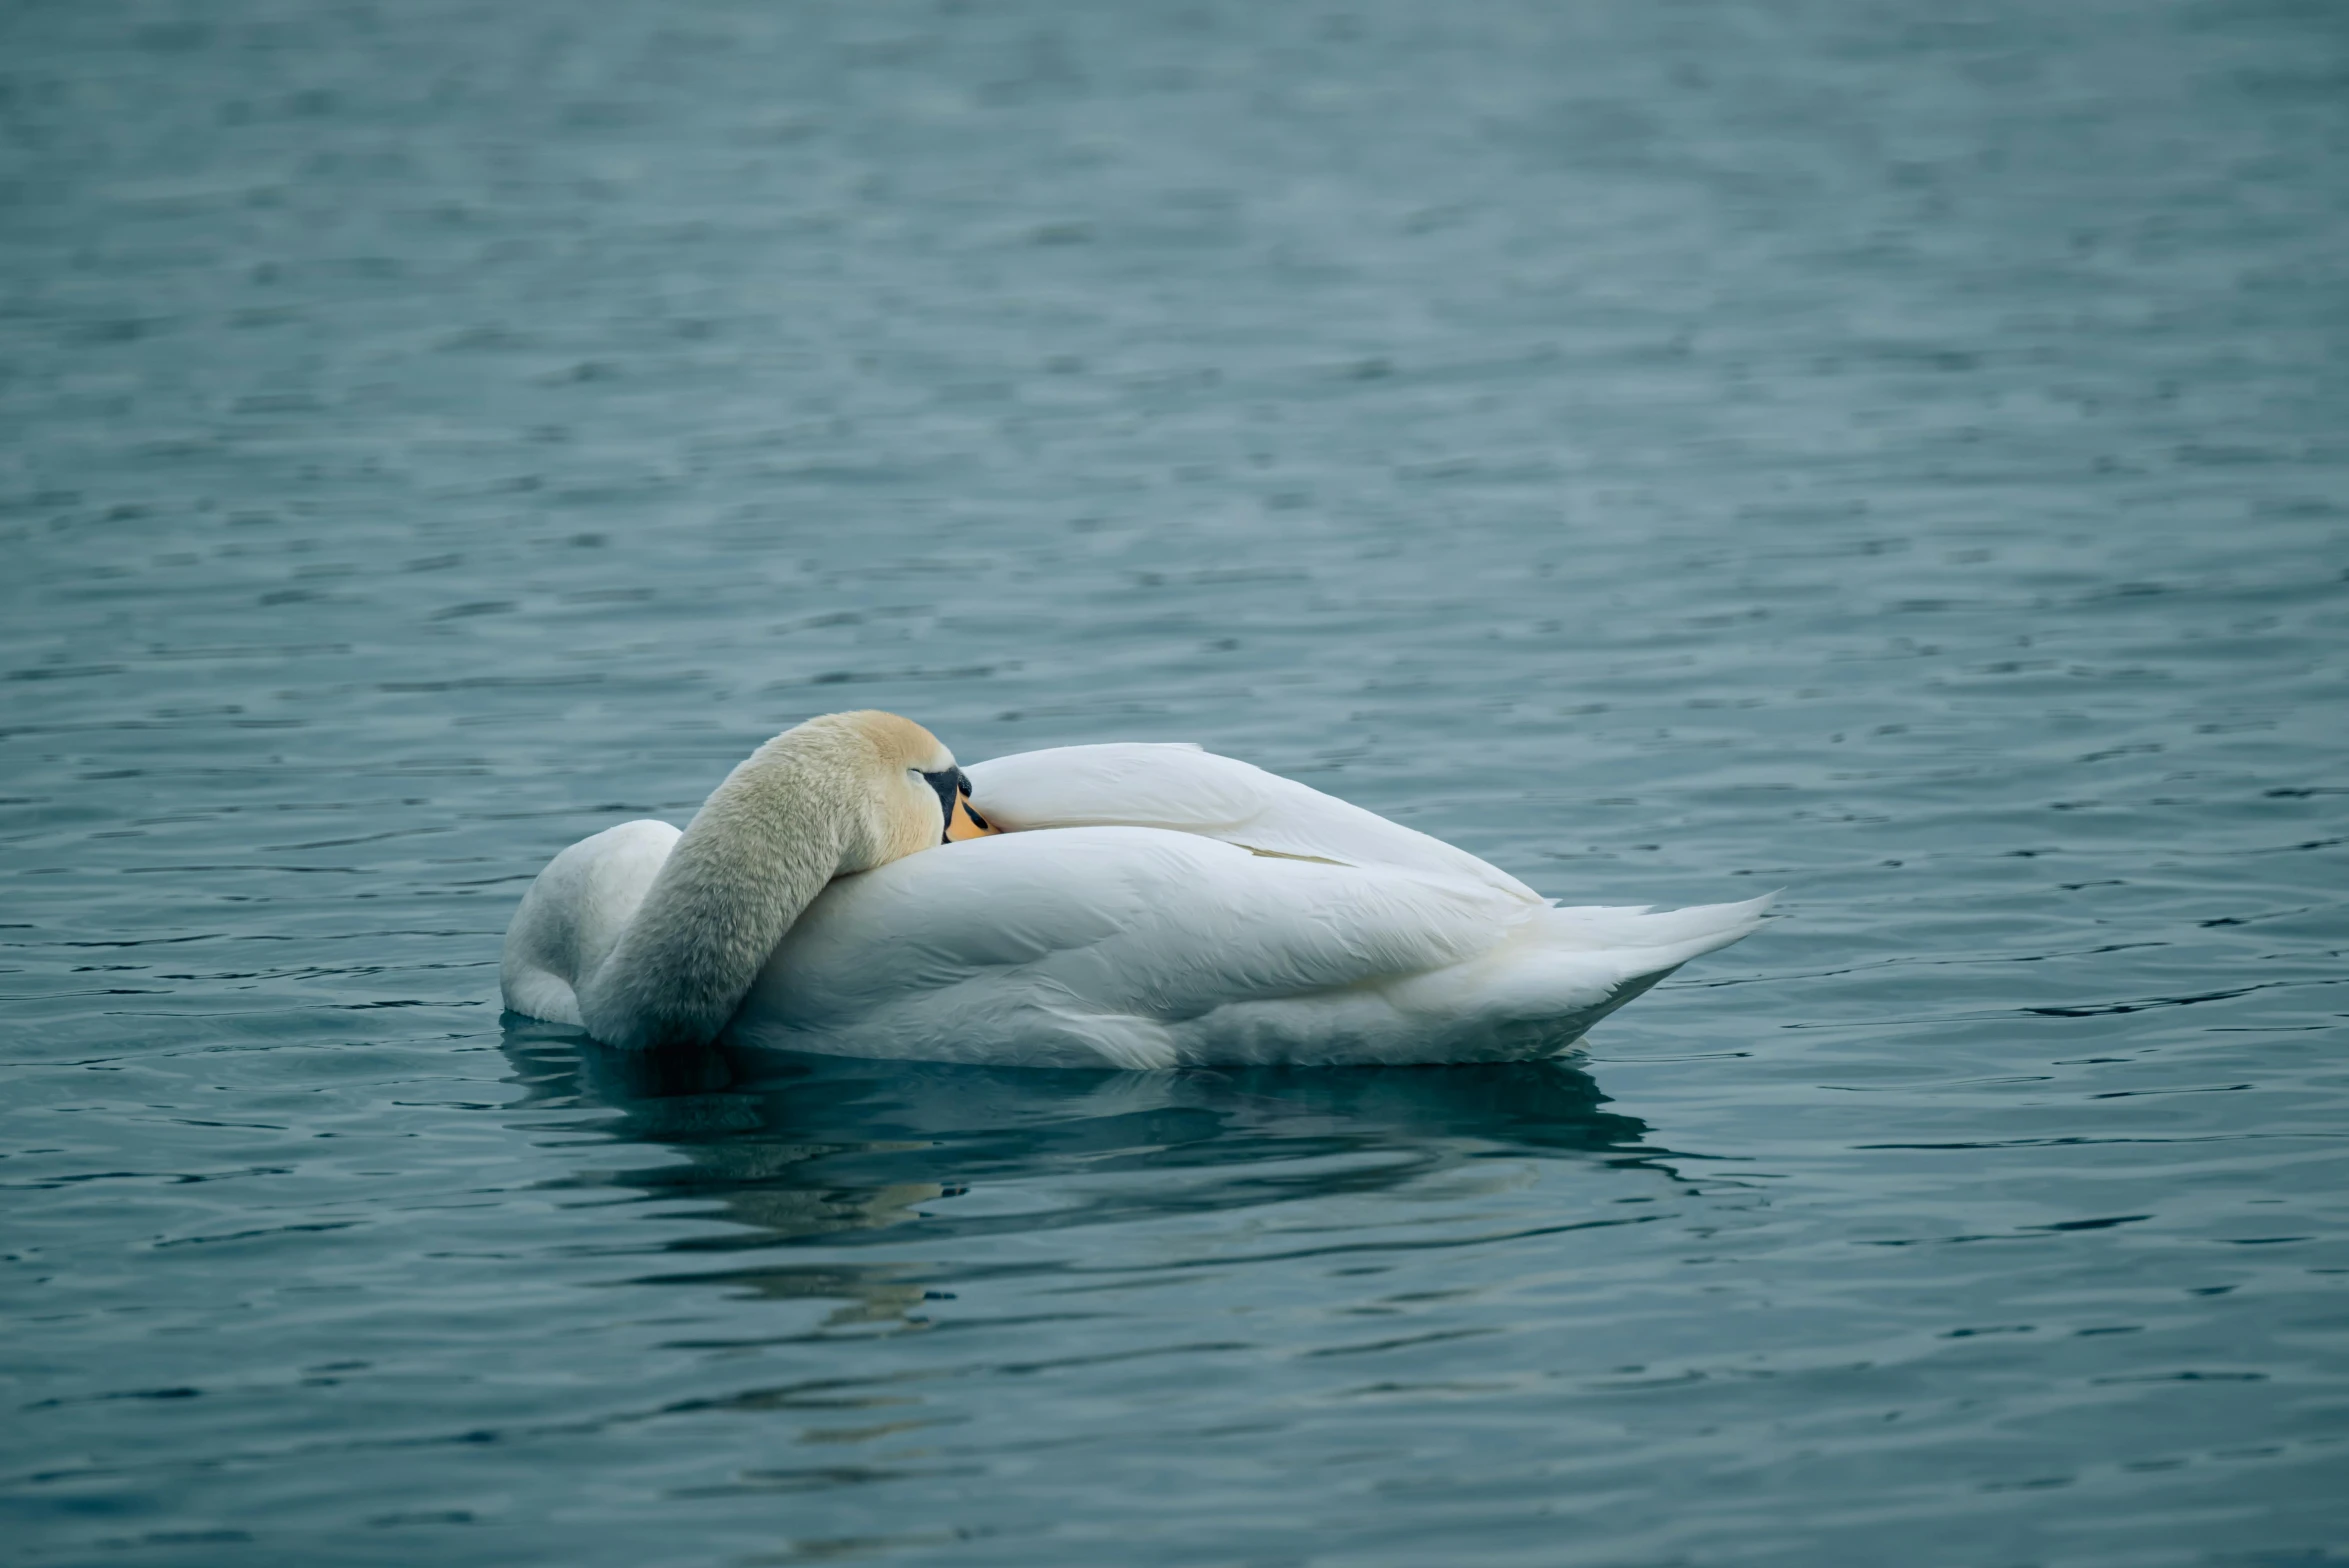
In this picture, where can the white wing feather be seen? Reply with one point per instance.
(1097, 946)
(1186, 790)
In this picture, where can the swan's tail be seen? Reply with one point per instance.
(1568, 968)
(1653, 941)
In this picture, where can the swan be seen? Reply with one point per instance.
(849, 890)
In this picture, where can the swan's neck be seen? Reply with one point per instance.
(786, 821)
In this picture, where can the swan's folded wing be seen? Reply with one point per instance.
(1185, 790)
(1100, 938)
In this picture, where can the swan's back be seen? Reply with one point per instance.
(1158, 905)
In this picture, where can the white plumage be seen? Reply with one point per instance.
(1149, 906)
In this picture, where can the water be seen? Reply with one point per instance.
(1892, 453)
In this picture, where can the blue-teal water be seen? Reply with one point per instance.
(1897, 453)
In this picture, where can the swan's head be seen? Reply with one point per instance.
(839, 794)
(923, 799)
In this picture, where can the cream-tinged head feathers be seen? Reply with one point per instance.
(907, 816)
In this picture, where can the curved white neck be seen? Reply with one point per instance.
(786, 821)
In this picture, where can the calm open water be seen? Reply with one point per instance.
(1895, 453)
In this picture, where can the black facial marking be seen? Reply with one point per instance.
(948, 782)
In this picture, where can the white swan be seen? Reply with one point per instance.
(1183, 908)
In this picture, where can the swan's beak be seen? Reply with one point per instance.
(962, 822)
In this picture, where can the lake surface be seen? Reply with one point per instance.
(1896, 454)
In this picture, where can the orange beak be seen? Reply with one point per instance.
(963, 822)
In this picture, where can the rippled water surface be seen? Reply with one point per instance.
(1899, 454)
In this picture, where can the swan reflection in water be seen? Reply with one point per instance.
(823, 1153)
